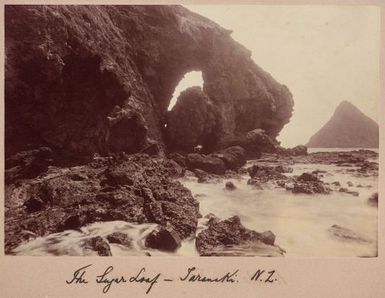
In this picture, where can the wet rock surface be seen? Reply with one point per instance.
(99, 245)
(164, 238)
(119, 238)
(229, 238)
(135, 188)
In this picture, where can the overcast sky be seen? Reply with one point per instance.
(324, 54)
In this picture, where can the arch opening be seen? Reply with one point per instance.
(190, 79)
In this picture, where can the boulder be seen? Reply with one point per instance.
(230, 237)
(307, 177)
(119, 238)
(207, 163)
(163, 238)
(230, 186)
(233, 157)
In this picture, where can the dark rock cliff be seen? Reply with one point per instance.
(86, 79)
(347, 128)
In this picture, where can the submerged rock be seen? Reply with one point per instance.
(230, 237)
(163, 238)
(345, 234)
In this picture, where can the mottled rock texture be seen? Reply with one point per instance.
(86, 79)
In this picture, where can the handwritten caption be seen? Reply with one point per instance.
(108, 278)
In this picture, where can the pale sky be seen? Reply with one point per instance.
(324, 54)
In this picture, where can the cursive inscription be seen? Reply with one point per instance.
(109, 278)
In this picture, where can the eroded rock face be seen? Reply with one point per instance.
(86, 79)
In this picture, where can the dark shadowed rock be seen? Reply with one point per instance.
(192, 121)
(27, 164)
(230, 237)
(307, 177)
(119, 238)
(230, 185)
(99, 245)
(233, 157)
(268, 237)
(116, 96)
(162, 238)
(207, 163)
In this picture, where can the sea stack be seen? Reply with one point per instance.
(347, 128)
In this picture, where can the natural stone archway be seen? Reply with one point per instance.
(72, 66)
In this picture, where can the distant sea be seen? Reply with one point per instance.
(312, 150)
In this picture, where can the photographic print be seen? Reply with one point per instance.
(191, 130)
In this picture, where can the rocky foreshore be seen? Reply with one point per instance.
(43, 198)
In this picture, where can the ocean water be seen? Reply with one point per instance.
(299, 221)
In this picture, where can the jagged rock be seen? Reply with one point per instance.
(345, 234)
(63, 203)
(164, 239)
(255, 183)
(373, 199)
(310, 187)
(119, 238)
(207, 163)
(100, 78)
(230, 237)
(264, 173)
(336, 183)
(230, 185)
(350, 184)
(99, 245)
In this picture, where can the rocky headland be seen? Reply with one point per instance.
(88, 137)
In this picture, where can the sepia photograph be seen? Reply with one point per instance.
(191, 130)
